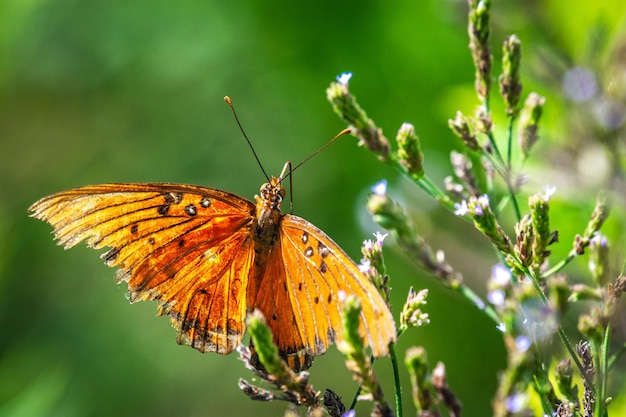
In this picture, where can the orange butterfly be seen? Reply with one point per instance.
(209, 257)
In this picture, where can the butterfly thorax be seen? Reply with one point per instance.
(268, 216)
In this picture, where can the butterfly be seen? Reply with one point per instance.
(209, 257)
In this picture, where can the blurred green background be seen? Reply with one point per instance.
(106, 91)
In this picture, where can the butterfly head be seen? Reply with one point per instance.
(271, 195)
(273, 192)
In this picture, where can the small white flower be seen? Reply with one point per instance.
(368, 244)
(380, 237)
(365, 266)
(419, 319)
(496, 297)
(344, 78)
(500, 275)
(501, 327)
(516, 402)
(548, 190)
(461, 208)
(380, 188)
(522, 343)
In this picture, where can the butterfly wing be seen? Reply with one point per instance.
(315, 271)
(274, 302)
(188, 247)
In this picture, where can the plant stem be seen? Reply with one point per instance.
(510, 143)
(396, 379)
(560, 331)
(603, 372)
(478, 302)
(560, 265)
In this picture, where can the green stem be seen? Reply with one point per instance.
(510, 142)
(496, 163)
(560, 331)
(492, 141)
(432, 190)
(616, 356)
(356, 396)
(562, 264)
(423, 182)
(478, 302)
(396, 379)
(505, 173)
(603, 372)
(518, 213)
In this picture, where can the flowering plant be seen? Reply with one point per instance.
(528, 292)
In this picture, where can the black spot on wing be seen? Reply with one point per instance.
(173, 197)
(322, 250)
(191, 210)
(205, 202)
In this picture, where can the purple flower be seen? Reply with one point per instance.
(461, 209)
(580, 84)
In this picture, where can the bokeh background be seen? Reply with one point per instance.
(109, 91)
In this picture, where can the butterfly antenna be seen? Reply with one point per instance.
(288, 170)
(230, 103)
(340, 134)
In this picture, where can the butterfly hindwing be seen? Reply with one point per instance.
(187, 247)
(316, 271)
(274, 302)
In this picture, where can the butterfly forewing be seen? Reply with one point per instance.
(188, 247)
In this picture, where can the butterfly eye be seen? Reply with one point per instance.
(276, 194)
(264, 190)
